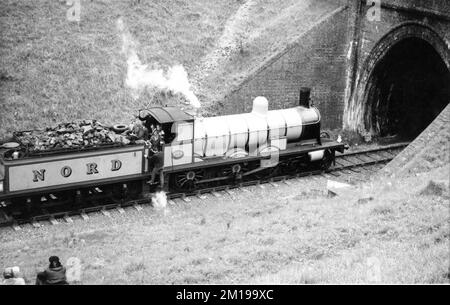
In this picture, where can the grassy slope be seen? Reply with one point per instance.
(434, 151)
(401, 225)
(52, 70)
(283, 235)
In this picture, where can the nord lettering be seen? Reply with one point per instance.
(38, 175)
(116, 165)
(66, 171)
(91, 168)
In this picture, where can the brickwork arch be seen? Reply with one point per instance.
(356, 108)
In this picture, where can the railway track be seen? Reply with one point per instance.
(356, 165)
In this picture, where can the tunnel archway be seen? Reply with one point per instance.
(401, 51)
(407, 89)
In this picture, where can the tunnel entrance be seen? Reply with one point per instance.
(408, 88)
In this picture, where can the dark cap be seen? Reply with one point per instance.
(53, 259)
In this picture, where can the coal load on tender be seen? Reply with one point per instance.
(75, 135)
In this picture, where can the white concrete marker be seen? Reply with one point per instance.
(335, 187)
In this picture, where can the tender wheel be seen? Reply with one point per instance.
(135, 189)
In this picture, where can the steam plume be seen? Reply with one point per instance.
(139, 76)
(159, 200)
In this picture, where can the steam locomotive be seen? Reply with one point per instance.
(197, 153)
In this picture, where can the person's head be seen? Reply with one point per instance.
(54, 262)
(8, 273)
(11, 272)
(158, 127)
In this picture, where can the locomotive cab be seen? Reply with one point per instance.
(169, 118)
(178, 127)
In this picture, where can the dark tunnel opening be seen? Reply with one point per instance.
(408, 88)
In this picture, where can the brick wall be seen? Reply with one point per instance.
(316, 60)
(392, 14)
(319, 58)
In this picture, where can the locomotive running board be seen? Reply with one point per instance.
(291, 150)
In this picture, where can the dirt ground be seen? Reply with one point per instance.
(384, 230)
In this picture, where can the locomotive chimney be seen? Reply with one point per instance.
(305, 100)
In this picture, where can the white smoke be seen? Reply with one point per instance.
(140, 76)
(159, 200)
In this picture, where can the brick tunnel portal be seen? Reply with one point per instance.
(407, 89)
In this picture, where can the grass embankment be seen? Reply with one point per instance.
(390, 231)
(53, 70)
